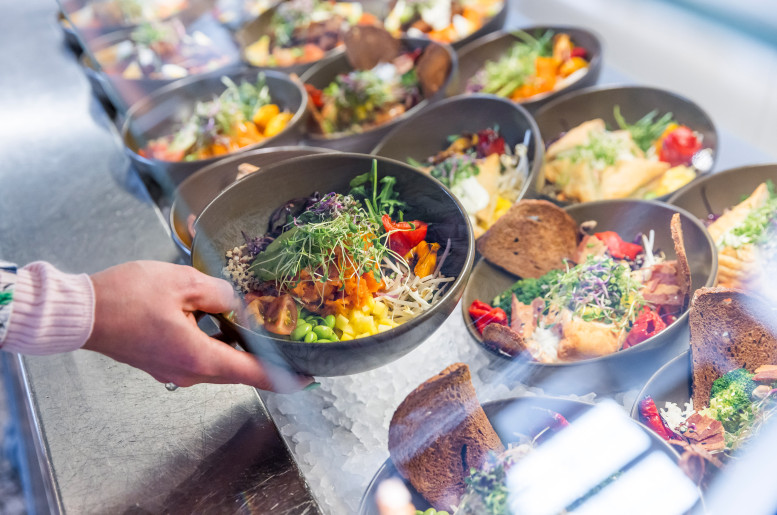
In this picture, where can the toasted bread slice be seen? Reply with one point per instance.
(438, 433)
(729, 329)
(531, 239)
(683, 268)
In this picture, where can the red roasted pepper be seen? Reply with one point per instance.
(489, 142)
(648, 412)
(647, 324)
(679, 146)
(578, 51)
(617, 247)
(404, 236)
(315, 95)
(483, 314)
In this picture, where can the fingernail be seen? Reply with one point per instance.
(312, 386)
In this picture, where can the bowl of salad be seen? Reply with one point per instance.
(530, 66)
(623, 142)
(294, 35)
(591, 296)
(353, 107)
(344, 262)
(456, 22)
(132, 63)
(193, 122)
(485, 149)
(200, 188)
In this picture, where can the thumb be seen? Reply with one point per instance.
(209, 294)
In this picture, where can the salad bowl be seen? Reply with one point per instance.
(491, 47)
(513, 419)
(162, 112)
(200, 188)
(321, 75)
(247, 206)
(670, 383)
(634, 102)
(625, 368)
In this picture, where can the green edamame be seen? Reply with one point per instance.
(329, 321)
(324, 332)
(299, 332)
(310, 337)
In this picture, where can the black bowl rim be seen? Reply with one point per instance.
(363, 501)
(458, 284)
(182, 83)
(634, 349)
(539, 146)
(242, 156)
(700, 181)
(594, 63)
(685, 355)
(424, 103)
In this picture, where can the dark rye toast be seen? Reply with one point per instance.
(531, 239)
(683, 268)
(438, 433)
(730, 329)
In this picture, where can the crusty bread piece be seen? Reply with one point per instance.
(502, 338)
(683, 268)
(729, 329)
(531, 239)
(438, 433)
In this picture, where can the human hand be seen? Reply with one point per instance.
(144, 316)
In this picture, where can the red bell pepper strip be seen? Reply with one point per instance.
(618, 248)
(579, 51)
(483, 315)
(679, 146)
(648, 412)
(648, 324)
(489, 142)
(404, 236)
(315, 95)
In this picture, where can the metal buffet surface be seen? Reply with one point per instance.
(108, 438)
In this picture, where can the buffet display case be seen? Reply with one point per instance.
(103, 437)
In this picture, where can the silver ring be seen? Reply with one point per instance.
(171, 387)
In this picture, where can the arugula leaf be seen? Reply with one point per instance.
(645, 131)
(385, 202)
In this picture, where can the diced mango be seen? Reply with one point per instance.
(341, 321)
(264, 114)
(379, 309)
(277, 124)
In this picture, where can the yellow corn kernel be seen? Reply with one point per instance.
(264, 114)
(277, 124)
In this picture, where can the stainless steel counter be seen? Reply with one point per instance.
(108, 437)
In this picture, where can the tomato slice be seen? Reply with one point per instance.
(281, 315)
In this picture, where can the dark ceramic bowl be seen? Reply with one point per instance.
(491, 47)
(161, 114)
(247, 206)
(427, 133)
(512, 419)
(626, 368)
(71, 38)
(122, 92)
(671, 383)
(635, 102)
(717, 192)
(324, 73)
(199, 189)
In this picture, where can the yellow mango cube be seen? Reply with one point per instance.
(379, 309)
(341, 322)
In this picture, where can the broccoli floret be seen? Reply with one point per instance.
(526, 290)
(730, 399)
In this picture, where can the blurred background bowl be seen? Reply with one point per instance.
(162, 112)
(200, 188)
(247, 206)
(512, 419)
(122, 92)
(717, 192)
(571, 110)
(474, 56)
(628, 368)
(325, 73)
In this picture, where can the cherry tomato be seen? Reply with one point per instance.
(281, 315)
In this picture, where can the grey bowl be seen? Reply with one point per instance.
(324, 73)
(635, 102)
(511, 418)
(160, 113)
(670, 383)
(200, 188)
(627, 368)
(427, 132)
(247, 206)
(717, 192)
(123, 93)
(473, 57)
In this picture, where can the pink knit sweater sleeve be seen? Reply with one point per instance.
(49, 311)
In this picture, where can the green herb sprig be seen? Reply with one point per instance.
(646, 130)
(377, 204)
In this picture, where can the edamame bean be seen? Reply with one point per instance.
(300, 331)
(311, 337)
(329, 321)
(324, 340)
(323, 332)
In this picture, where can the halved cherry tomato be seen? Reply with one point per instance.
(679, 146)
(281, 315)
